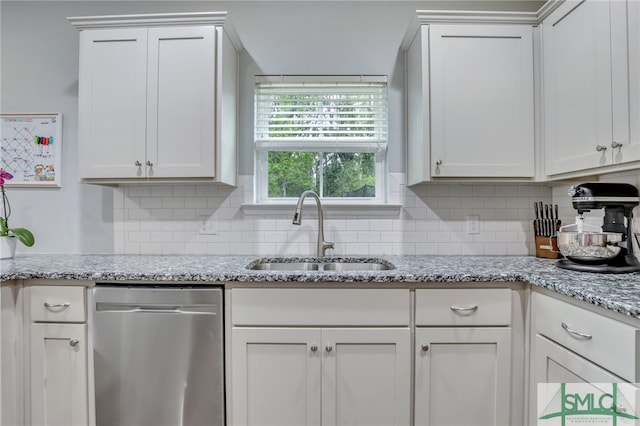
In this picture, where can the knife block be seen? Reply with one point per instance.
(546, 247)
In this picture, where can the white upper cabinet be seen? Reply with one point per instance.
(633, 28)
(112, 102)
(470, 101)
(157, 98)
(590, 74)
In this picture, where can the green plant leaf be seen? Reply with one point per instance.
(4, 231)
(24, 235)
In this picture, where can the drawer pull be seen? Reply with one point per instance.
(424, 347)
(464, 310)
(585, 336)
(314, 348)
(74, 342)
(57, 306)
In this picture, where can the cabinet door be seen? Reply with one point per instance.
(112, 103)
(181, 103)
(276, 376)
(59, 374)
(633, 28)
(552, 363)
(366, 376)
(462, 376)
(577, 86)
(481, 100)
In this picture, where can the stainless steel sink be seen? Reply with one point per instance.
(322, 264)
(357, 266)
(284, 266)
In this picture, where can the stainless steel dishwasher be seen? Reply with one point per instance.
(158, 355)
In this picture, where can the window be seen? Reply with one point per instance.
(328, 134)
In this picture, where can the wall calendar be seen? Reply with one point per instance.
(31, 148)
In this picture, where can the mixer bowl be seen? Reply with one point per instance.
(589, 247)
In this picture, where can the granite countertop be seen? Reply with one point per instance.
(616, 292)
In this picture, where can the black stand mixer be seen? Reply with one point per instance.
(609, 251)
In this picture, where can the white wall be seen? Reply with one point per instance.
(39, 62)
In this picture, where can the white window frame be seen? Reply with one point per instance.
(263, 146)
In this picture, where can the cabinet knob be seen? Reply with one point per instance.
(149, 163)
(601, 148)
(439, 162)
(74, 342)
(424, 347)
(137, 163)
(329, 348)
(314, 348)
(615, 145)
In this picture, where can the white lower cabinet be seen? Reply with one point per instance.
(576, 344)
(463, 357)
(302, 376)
(344, 371)
(553, 363)
(462, 376)
(276, 376)
(58, 374)
(58, 365)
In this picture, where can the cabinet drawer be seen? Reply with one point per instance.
(464, 307)
(600, 339)
(58, 304)
(320, 307)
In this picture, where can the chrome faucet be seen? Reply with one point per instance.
(297, 220)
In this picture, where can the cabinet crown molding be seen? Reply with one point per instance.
(425, 17)
(158, 20)
(476, 16)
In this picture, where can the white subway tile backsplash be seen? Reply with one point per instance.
(449, 202)
(137, 214)
(369, 236)
(415, 237)
(439, 237)
(484, 190)
(492, 249)
(381, 224)
(450, 249)
(172, 248)
(150, 248)
(137, 191)
(417, 213)
(161, 191)
(472, 202)
(184, 191)
(161, 214)
(166, 219)
(139, 237)
(518, 249)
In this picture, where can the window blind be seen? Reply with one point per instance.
(321, 114)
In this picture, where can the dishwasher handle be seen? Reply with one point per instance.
(156, 308)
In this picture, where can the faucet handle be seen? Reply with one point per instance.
(325, 246)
